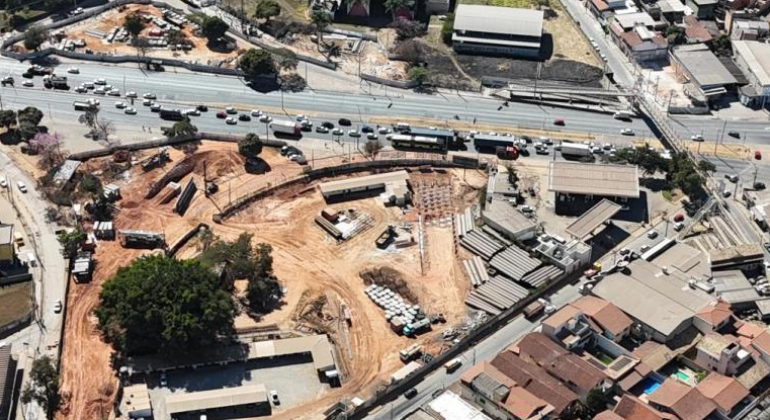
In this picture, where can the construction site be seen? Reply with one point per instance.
(332, 246)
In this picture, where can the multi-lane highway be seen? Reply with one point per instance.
(184, 89)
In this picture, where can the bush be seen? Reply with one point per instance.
(408, 29)
(448, 28)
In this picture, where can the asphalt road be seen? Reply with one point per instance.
(184, 89)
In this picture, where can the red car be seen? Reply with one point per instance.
(221, 115)
(757, 155)
(679, 217)
(558, 121)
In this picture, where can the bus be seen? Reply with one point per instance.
(447, 136)
(171, 114)
(403, 141)
(83, 106)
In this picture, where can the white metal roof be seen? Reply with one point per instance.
(629, 20)
(371, 181)
(757, 57)
(593, 179)
(498, 20)
(218, 398)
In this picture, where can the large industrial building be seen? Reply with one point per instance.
(753, 58)
(705, 77)
(580, 186)
(498, 31)
(239, 402)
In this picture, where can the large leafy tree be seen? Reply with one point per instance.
(49, 147)
(321, 20)
(34, 37)
(267, 9)
(214, 28)
(7, 118)
(70, 242)
(29, 119)
(250, 145)
(182, 128)
(163, 304)
(255, 63)
(133, 24)
(420, 75)
(43, 387)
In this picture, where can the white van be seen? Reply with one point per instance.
(402, 126)
(20, 185)
(622, 115)
(453, 364)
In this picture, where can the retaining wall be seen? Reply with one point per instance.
(392, 83)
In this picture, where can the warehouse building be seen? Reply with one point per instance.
(706, 78)
(7, 374)
(508, 220)
(753, 59)
(392, 186)
(498, 31)
(244, 401)
(580, 186)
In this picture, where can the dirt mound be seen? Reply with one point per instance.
(218, 162)
(391, 278)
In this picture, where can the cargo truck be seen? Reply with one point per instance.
(491, 143)
(417, 327)
(410, 353)
(575, 150)
(84, 106)
(171, 114)
(622, 115)
(289, 128)
(55, 82)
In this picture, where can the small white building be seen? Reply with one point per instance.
(498, 30)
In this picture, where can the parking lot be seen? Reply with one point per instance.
(294, 378)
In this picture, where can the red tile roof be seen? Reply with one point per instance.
(726, 392)
(600, 5)
(607, 415)
(686, 402)
(631, 408)
(604, 313)
(696, 30)
(523, 404)
(717, 312)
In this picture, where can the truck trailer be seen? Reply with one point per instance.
(289, 128)
(55, 82)
(83, 106)
(171, 114)
(575, 150)
(491, 143)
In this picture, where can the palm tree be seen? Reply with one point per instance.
(321, 20)
(391, 6)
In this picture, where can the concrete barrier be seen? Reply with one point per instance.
(392, 83)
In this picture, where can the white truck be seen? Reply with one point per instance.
(622, 115)
(575, 150)
(291, 128)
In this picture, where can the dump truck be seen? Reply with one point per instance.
(534, 309)
(410, 353)
(55, 82)
(289, 128)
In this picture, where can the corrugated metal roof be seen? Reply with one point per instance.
(542, 275)
(704, 67)
(505, 216)
(6, 234)
(218, 398)
(499, 20)
(594, 179)
(371, 181)
(593, 218)
(481, 244)
(6, 375)
(757, 57)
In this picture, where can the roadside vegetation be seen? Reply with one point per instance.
(43, 387)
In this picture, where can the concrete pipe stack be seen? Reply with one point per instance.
(392, 303)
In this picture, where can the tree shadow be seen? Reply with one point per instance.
(9, 138)
(257, 166)
(264, 85)
(222, 45)
(655, 184)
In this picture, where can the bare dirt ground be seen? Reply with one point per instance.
(15, 301)
(309, 264)
(105, 22)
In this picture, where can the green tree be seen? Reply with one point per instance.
(722, 45)
(420, 75)
(267, 9)
(372, 148)
(90, 184)
(255, 63)
(391, 6)
(89, 118)
(595, 402)
(647, 159)
(164, 304)
(43, 387)
(175, 36)
(133, 24)
(182, 128)
(250, 145)
(29, 119)
(214, 28)
(238, 255)
(447, 29)
(263, 292)
(7, 118)
(675, 35)
(70, 242)
(34, 37)
(321, 20)
(707, 166)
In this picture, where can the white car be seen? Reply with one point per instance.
(230, 110)
(155, 107)
(3, 182)
(384, 130)
(57, 307)
(120, 104)
(114, 92)
(231, 120)
(147, 102)
(627, 132)
(321, 129)
(371, 136)
(149, 96)
(87, 85)
(21, 186)
(696, 137)
(93, 101)
(100, 81)
(338, 132)
(130, 111)
(354, 133)
(131, 94)
(81, 89)
(301, 117)
(265, 118)
(73, 70)
(192, 111)
(256, 113)
(27, 83)
(100, 91)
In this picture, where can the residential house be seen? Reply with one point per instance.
(685, 402)
(611, 321)
(570, 326)
(719, 353)
(574, 372)
(726, 392)
(702, 9)
(713, 317)
(632, 408)
(695, 31)
(602, 317)
(749, 30)
(640, 43)
(500, 396)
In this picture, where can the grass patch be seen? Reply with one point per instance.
(15, 301)
(30, 14)
(605, 359)
(293, 8)
(667, 195)
(520, 4)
